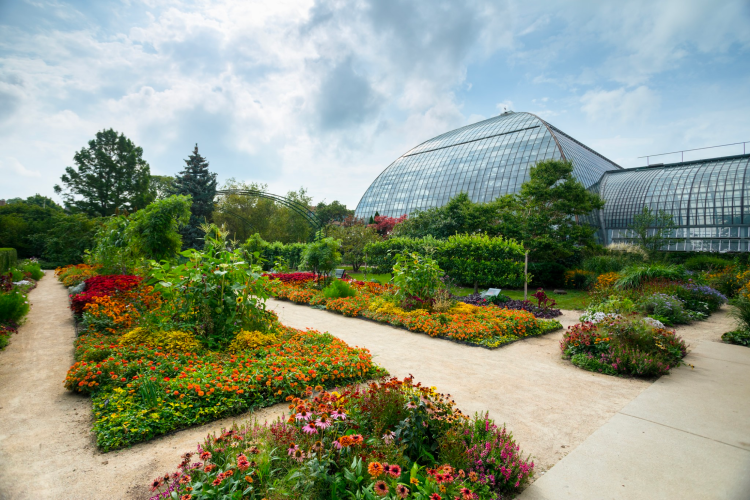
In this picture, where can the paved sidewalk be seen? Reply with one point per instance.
(687, 436)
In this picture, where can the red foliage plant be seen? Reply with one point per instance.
(98, 286)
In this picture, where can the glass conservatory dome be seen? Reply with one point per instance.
(485, 160)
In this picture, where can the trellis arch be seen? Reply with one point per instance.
(300, 209)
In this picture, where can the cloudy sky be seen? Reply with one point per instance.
(325, 94)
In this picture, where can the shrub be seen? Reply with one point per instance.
(338, 289)
(479, 259)
(172, 341)
(579, 279)
(741, 313)
(33, 268)
(8, 259)
(700, 298)
(706, 263)
(623, 346)
(416, 276)
(602, 264)
(635, 276)
(322, 256)
(245, 341)
(547, 274)
(13, 306)
(666, 308)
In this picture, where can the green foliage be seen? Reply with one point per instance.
(738, 337)
(706, 263)
(601, 264)
(459, 215)
(69, 238)
(111, 248)
(635, 276)
(741, 313)
(215, 293)
(416, 276)
(474, 259)
(199, 183)
(354, 241)
(270, 253)
(110, 176)
(161, 186)
(339, 289)
(153, 231)
(333, 212)
(652, 229)
(13, 306)
(33, 268)
(322, 256)
(482, 260)
(546, 274)
(245, 215)
(8, 259)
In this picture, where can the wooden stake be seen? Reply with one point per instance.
(526, 277)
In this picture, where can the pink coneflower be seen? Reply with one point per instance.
(298, 455)
(303, 415)
(323, 422)
(292, 449)
(402, 491)
(337, 444)
(381, 489)
(310, 428)
(410, 405)
(338, 414)
(388, 437)
(395, 471)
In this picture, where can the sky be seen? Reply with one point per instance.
(325, 94)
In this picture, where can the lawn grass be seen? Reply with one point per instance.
(574, 299)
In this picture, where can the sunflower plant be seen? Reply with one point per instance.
(215, 292)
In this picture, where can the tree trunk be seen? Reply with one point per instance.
(476, 286)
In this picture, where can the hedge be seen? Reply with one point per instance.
(8, 259)
(469, 259)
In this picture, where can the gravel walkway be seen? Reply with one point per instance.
(48, 451)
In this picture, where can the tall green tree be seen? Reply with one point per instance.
(354, 239)
(332, 212)
(154, 231)
(652, 229)
(199, 183)
(110, 176)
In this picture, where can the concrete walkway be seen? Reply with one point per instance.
(687, 436)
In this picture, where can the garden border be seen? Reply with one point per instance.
(463, 342)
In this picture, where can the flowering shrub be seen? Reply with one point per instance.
(668, 309)
(623, 346)
(119, 312)
(245, 341)
(172, 341)
(354, 445)
(292, 278)
(74, 274)
(6, 330)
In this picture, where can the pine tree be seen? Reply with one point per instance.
(198, 182)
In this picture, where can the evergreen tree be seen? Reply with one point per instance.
(110, 176)
(198, 182)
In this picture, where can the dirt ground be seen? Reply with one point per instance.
(48, 451)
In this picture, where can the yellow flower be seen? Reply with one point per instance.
(240, 299)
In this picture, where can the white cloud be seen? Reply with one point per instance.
(15, 166)
(506, 105)
(621, 105)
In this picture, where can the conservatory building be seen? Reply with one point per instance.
(708, 199)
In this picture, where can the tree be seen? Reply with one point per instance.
(162, 186)
(547, 215)
(652, 229)
(154, 231)
(110, 176)
(385, 225)
(322, 256)
(354, 239)
(332, 212)
(199, 183)
(459, 216)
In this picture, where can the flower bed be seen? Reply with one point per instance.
(393, 439)
(619, 345)
(489, 327)
(148, 362)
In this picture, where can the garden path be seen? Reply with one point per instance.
(550, 405)
(46, 448)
